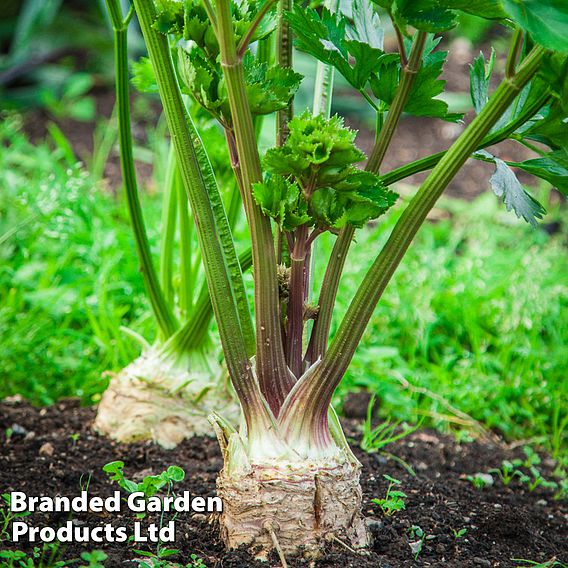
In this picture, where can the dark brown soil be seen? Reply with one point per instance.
(502, 523)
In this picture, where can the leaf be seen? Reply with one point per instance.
(175, 473)
(551, 128)
(487, 9)
(143, 77)
(314, 179)
(479, 75)
(281, 200)
(367, 25)
(505, 184)
(545, 20)
(314, 141)
(202, 79)
(329, 39)
(269, 89)
(439, 15)
(552, 167)
(424, 15)
(427, 86)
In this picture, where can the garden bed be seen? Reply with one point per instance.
(53, 451)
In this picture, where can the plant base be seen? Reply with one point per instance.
(295, 507)
(151, 400)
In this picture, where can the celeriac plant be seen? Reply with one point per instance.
(168, 392)
(290, 480)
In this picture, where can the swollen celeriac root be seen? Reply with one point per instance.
(302, 505)
(161, 399)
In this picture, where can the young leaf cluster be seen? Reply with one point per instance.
(313, 180)
(269, 87)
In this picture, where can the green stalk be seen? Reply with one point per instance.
(407, 77)
(429, 162)
(514, 53)
(334, 270)
(194, 332)
(264, 54)
(323, 93)
(328, 294)
(186, 144)
(284, 59)
(161, 309)
(187, 280)
(311, 397)
(247, 38)
(296, 298)
(273, 375)
(167, 237)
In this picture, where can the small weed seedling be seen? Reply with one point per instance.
(481, 480)
(535, 479)
(94, 559)
(196, 562)
(149, 486)
(46, 557)
(552, 563)
(459, 533)
(562, 493)
(394, 500)
(508, 471)
(417, 536)
(376, 438)
(6, 516)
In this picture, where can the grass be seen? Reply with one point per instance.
(474, 324)
(68, 275)
(475, 320)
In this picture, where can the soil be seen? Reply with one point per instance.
(53, 451)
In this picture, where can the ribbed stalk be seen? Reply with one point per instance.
(193, 333)
(328, 294)
(296, 298)
(186, 242)
(216, 271)
(429, 162)
(407, 76)
(167, 237)
(272, 371)
(284, 59)
(162, 311)
(305, 412)
(334, 270)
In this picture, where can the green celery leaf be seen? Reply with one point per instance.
(552, 167)
(143, 77)
(366, 27)
(329, 39)
(269, 88)
(505, 184)
(203, 79)
(282, 200)
(314, 143)
(427, 85)
(170, 16)
(479, 75)
(424, 15)
(545, 20)
(326, 208)
(551, 128)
